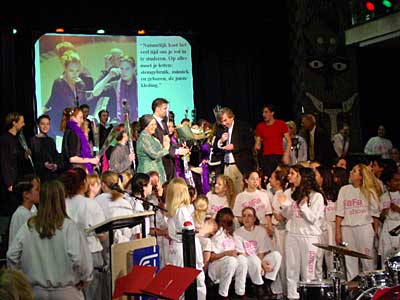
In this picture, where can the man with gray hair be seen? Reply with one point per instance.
(235, 140)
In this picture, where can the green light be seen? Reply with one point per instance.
(387, 3)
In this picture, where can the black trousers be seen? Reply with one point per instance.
(269, 163)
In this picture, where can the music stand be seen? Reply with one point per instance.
(171, 282)
(112, 224)
(132, 283)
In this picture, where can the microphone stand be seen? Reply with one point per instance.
(395, 231)
(155, 207)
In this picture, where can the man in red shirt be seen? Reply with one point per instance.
(271, 133)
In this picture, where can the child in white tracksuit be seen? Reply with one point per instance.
(304, 211)
(260, 257)
(357, 213)
(253, 197)
(324, 178)
(223, 195)
(180, 216)
(278, 181)
(227, 256)
(390, 209)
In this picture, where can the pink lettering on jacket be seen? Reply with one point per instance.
(216, 208)
(228, 244)
(256, 203)
(353, 202)
(311, 262)
(296, 211)
(250, 247)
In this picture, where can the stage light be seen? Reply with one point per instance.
(370, 6)
(141, 31)
(14, 31)
(101, 31)
(387, 3)
(60, 30)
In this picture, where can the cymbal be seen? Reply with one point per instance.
(342, 250)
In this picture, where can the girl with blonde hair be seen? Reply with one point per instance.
(357, 217)
(179, 215)
(205, 225)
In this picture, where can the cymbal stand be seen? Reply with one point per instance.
(336, 276)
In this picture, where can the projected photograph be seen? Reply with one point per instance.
(120, 74)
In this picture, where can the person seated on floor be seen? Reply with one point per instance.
(261, 259)
(227, 259)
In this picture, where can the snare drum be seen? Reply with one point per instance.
(319, 290)
(375, 278)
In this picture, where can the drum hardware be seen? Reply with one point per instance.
(342, 250)
(367, 294)
(375, 278)
(392, 264)
(336, 274)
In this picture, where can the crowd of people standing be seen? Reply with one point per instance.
(259, 198)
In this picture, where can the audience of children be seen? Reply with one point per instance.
(261, 241)
(86, 213)
(51, 250)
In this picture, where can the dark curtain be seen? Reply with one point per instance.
(17, 76)
(242, 70)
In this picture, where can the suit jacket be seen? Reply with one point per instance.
(169, 159)
(243, 141)
(323, 148)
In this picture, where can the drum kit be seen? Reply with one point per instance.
(363, 287)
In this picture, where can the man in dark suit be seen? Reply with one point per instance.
(319, 143)
(103, 132)
(160, 111)
(235, 140)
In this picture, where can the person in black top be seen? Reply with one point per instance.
(13, 161)
(44, 152)
(75, 146)
(122, 92)
(68, 90)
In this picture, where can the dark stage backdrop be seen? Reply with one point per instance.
(238, 67)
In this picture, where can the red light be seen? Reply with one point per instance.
(60, 30)
(370, 6)
(141, 31)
